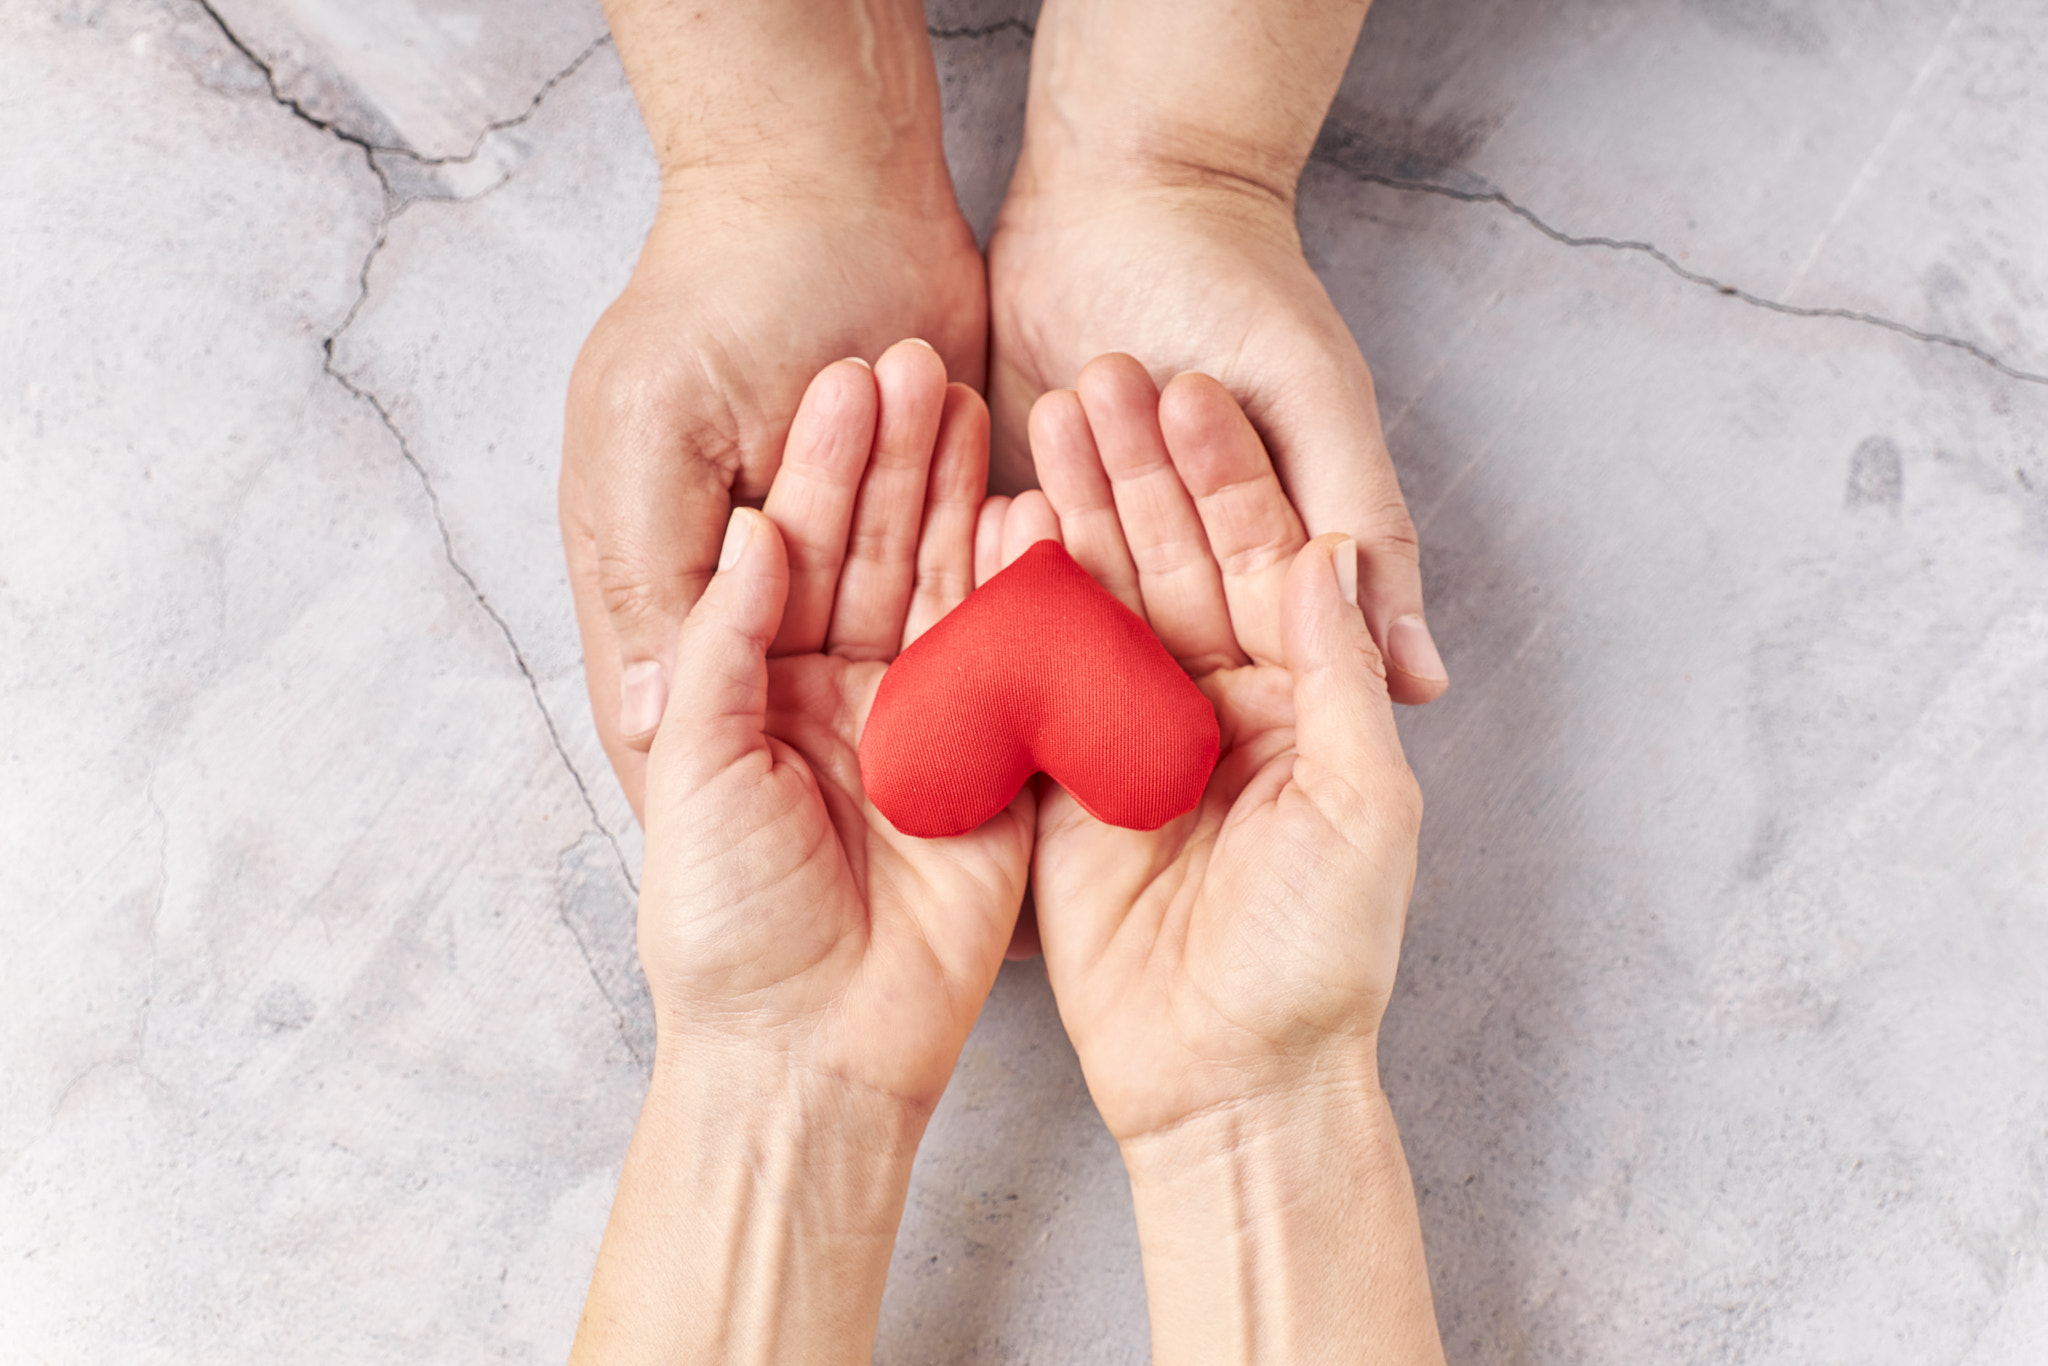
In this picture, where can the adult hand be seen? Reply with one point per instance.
(814, 972)
(778, 907)
(1250, 946)
(1152, 212)
(805, 215)
(1223, 978)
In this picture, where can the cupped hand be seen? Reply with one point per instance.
(1247, 949)
(779, 910)
(1207, 274)
(680, 403)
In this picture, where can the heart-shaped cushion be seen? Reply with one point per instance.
(1039, 669)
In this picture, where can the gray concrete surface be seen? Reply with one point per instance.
(1712, 341)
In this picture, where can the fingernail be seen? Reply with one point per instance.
(1413, 652)
(1345, 560)
(861, 363)
(920, 341)
(643, 694)
(738, 528)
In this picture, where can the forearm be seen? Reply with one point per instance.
(1236, 89)
(1284, 1231)
(754, 1220)
(785, 90)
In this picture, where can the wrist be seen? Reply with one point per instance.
(778, 96)
(1180, 94)
(1091, 147)
(831, 175)
(1275, 1124)
(757, 1094)
(1283, 1229)
(1219, 1091)
(784, 1160)
(755, 1216)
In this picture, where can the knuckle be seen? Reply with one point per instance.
(1372, 658)
(886, 545)
(1390, 531)
(629, 393)
(656, 404)
(948, 585)
(1387, 809)
(1406, 797)
(637, 598)
(941, 581)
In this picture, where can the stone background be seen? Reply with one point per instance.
(1712, 342)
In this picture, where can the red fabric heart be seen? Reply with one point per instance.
(1039, 669)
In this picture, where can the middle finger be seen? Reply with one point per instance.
(876, 581)
(1177, 575)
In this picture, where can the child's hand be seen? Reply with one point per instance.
(780, 913)
(1245, 951)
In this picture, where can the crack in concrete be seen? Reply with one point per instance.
(981, 30)
(278, 97)
(496, 126)
(371, 151)
(1665, 259)
(483, 601)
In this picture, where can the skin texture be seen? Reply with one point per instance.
(1152, 211)
(814, 972)
(1223, 978)
(806, 215)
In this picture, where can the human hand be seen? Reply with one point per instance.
(805, 215)
(1196, 278)
(1152, 212)
(814, 973)
(779, 911)
(1222, 978)
(1248, 948)
(681, 402)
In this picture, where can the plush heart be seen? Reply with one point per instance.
(1039, 669)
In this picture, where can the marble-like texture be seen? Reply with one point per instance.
(1712, 342)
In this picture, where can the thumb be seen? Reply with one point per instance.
(1333, 460)
(1347, 751)
(655, 524)
(717, 709)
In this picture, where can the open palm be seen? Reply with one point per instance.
(778, 905)
(1251, 944)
